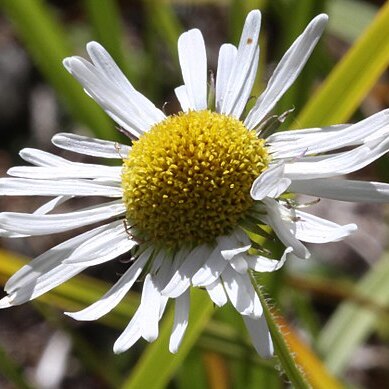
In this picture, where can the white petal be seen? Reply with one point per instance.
(129, 336)
(344, 190)
(288, 137)
(271, 183)
(42, 158)
(32, 224)
(263, 264)
(193, 62)
(313, 229)
(116, 102)
(183, 98)
(150, 308)
(105, 246)
(180, 324)
(51, 173)
(225, 64)
(47, 261)
(231, 253)
(5, 302)
(211, 269)
(104, 62)
(216, 262)
(331, 138)
(239, 264)
(243, 72)
(243, 96)
(337, 164)
(260, 336)
(284, 229)
(52, 204)
(163, 272)
(28, 187)
(235, 287)
(91, 146)
(45, 282)
(217, 293)
(113, 297)
(180, 281)
(287, 70)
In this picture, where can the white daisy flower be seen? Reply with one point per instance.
(194, 190)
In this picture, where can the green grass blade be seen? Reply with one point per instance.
(290, 28)
(351, 324)
(192, 373)
(350, 81)
(48, 46)
(157, 357)
(349, 17)
(164, 22)
(106, 21)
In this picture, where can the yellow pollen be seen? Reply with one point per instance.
(188, 180)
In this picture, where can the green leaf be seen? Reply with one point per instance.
(352, 323)
(48, 45)
(350, 81)
(157, 358)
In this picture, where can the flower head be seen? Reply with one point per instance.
(194, 188)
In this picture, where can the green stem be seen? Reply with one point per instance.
(282, 350)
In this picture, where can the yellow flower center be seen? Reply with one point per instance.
(188, 180)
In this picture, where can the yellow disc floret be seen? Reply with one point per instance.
(188, 180)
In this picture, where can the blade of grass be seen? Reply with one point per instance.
(192, 375)
(349, 17)
(291, 28)
(353, 77)
(165, 24)
(217, 371)
(157, 356)
(330, 288)
(46, 41)
(354, 320)
(105, 18)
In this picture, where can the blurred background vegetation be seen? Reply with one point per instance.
(333, 310)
